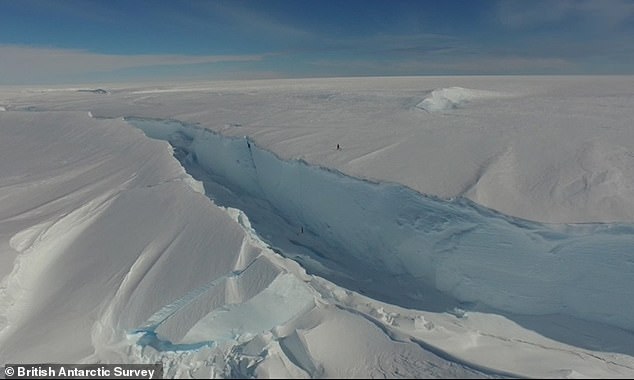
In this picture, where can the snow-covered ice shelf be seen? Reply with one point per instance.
(468, 227)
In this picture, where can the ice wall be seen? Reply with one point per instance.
(402, 240)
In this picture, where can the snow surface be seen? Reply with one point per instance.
(549, 149)
(417, 250)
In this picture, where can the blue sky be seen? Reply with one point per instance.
(57, 41)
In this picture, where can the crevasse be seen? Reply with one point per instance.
(397, 245)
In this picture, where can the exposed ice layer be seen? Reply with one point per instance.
(387, 230)
(285, 298)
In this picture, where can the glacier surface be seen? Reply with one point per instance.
(409, 252)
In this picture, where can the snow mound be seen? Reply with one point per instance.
(444, 99)
(595, 180)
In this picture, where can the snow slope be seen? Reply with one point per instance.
(294, 268)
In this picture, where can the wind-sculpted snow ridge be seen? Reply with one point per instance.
(375, 237)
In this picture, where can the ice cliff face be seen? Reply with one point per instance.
(378, 237)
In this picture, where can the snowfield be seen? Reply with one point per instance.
(468, 227)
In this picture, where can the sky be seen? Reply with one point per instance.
(83, 41)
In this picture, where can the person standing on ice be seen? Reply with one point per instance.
(338, 147)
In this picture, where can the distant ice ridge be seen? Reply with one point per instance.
(443, 99)
(386, 235)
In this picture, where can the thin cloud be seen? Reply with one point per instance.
(22, 63)
(94, 11)
(597, 13)
(252, 20)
